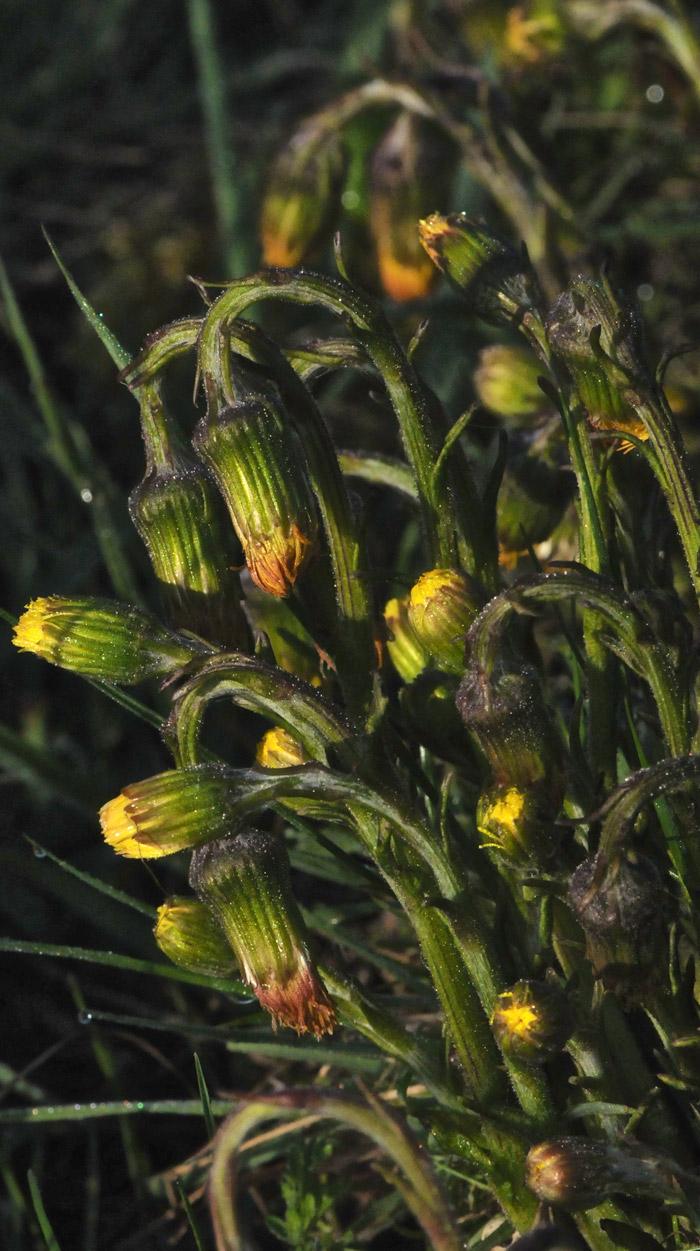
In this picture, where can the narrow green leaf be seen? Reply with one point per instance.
(119, 354)
(103, 887)
(44, 1224)
(204, 1096)
(57, 1113)
(191, 1221)
(117, 961)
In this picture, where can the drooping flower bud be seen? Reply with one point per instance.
(407, 656)
(534, 493)
(180, 517)
(579, 1173)
(506, 382)
(260, 468)
(509, 719)
(407, 176)
(303, 183)
(428, 708)
(245, 880)
(601, 343)
(517, 825)
(441, 607)
(166, 813)
(102, 638)
(495, 279)
(532, 1021)
(188, 934)
(620, 907)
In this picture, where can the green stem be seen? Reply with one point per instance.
(668, 460)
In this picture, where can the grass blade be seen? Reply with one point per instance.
(44, 1224)
(117, 961)
(204, 1095)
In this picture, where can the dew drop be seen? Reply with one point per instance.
(39, 853)
(655, 93)
(86, 495)
(84, 1016)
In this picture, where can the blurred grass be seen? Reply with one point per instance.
(138, 136)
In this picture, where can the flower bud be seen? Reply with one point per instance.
(407, 656)
(518, 825)
(278, 749)
(506, 382)
(511, 723)
(578, 1173)
(532, 1021)
(102, 639)
(260, 469)
(407, 176)
(600, 341)
(488, 272)
(179, 516)
(534, 493)
(534, 34)
(428, 708)
(166, 813)
(301, 196)
(620, 909)
(441, 607)
(189, 935)
(246, 882)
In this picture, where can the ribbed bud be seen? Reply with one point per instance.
(620, 907)
(532, 1021)
(167, 813)
(514, 729)
(261, 472)
(488, 272)
(578, 1173)
(189, 935)
(534, 493)
(506, 382)
(102, 638)
(246, 882)
(179, 516)
(407, 176)
(406, 654)
(600, 341)
(441, 607)
(303, 184)
(517, 824)
(428, 708)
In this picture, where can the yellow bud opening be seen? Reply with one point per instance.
(505, 811)
(277, 749)
(430, 584)
(274, 562)
(121, 832)
(432, 229)
(30, 634)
